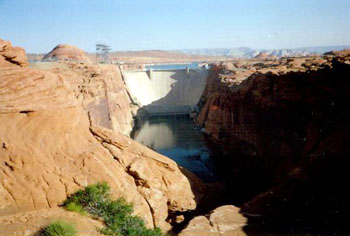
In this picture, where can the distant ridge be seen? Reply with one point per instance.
(246, 52)
(204, 53)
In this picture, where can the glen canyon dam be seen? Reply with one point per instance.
(167, 91)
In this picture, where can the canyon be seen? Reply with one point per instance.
(278, 127)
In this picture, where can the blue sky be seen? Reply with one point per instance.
(39, 25)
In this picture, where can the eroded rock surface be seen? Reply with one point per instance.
(101, 90)
(11, 55)
(30, 223)
(61, 130)
(223, 221)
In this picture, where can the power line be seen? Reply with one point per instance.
(102, 53)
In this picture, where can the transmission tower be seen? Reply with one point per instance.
(102, 53)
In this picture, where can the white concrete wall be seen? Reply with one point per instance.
(168, 88)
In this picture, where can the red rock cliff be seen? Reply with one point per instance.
(283, 135)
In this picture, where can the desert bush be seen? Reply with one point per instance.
(59, 228)
(116, 214)
(72, 206)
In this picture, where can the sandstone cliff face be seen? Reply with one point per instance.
(248, 103)
(283, 133)
(101, 90)
(12, 55)
(61, 129)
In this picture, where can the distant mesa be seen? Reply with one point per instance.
(264, 55)
(344, 52)
(65, 52)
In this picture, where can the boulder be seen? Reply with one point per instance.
(10, 56)
(223, 221)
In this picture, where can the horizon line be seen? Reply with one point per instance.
(200, 48)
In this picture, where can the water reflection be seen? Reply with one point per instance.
(181, 140)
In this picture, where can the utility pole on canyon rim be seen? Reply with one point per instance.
(102, 53)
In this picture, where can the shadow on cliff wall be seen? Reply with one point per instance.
(314, 204)
(297, 180)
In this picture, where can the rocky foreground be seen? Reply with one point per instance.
(61, 128)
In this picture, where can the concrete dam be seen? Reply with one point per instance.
(167, 92)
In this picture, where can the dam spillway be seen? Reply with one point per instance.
(167, 92)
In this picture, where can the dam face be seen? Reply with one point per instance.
(166, 92)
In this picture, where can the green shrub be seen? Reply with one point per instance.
(59, 228)
(72, 206)
(92, 199)
(117, 215)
